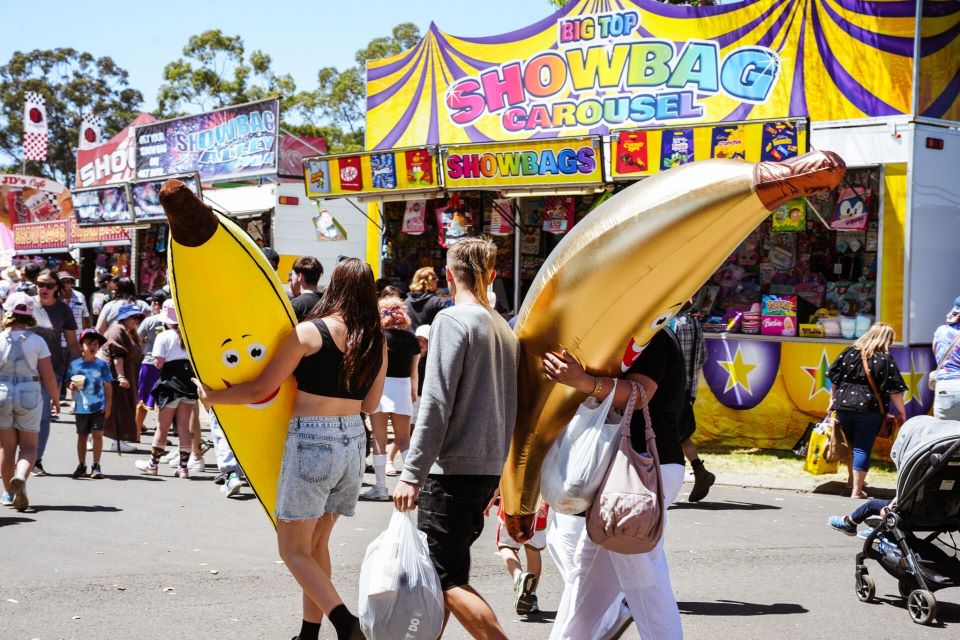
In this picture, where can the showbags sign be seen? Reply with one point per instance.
(230, 143)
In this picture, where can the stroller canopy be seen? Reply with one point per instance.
(919, 435)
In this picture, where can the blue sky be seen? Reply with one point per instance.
(301, 37)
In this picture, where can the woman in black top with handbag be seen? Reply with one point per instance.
(864, 381)
(338, 357)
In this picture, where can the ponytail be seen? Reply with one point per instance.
(472, 261)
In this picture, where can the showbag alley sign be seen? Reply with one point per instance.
(602, 73)
(236, 142)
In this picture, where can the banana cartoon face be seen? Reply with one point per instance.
(233, 314)
(242, 359)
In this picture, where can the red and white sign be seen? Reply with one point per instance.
(35, 127)
(91, 131)
(113, 161)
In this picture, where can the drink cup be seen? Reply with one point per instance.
(78, 380)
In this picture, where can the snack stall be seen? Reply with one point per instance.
(660, 85)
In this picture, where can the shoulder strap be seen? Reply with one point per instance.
(946, 353)
(873, 385)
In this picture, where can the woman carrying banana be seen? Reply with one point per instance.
(338, 357)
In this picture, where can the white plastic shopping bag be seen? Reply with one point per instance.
(574, 467)
(400, 595)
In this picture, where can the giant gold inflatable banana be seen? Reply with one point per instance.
(622, 273)
(233, 313)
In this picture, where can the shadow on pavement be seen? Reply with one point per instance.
(735, 608)
(724, 506)
(14, 520)
(134, 476)
(542, 617)
(837, 488)
(82, 508)
(947, 612)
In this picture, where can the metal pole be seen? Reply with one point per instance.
(516, 260)
(915, 94)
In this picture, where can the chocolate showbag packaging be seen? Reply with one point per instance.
(778, 315)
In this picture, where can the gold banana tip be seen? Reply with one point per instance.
(812, 173)
(192, 222)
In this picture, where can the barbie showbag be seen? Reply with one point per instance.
(575, 466)
(400, 595)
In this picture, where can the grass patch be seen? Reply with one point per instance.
(776, 463)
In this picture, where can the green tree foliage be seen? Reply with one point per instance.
(215, 72)
(73, 83)
(336, 109)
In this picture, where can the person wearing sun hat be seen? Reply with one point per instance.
(946, 350)
(175, 394)
(25, 363)
(122, 352)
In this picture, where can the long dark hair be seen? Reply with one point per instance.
(126, 289)
(352, 295)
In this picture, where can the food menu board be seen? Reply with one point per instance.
(146, 197)
(103, 205)
(644, 152)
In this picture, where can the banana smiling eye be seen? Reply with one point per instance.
(257, 351)
(231, 358)
(661, 320)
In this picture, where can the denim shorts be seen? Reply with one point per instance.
(322, 467)
(21, 404)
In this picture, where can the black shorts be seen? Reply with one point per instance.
(451, 516)
(688, 421)
(89, 422)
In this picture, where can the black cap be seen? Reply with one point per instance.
(272, 256)
(159, 296)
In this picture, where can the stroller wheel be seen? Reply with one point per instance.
(922, 606)
(865, 588)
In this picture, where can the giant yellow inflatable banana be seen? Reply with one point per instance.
(233, 313)
(623, 272)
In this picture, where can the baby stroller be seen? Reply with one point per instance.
(908, 540)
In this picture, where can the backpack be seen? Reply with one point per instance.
(627, 515)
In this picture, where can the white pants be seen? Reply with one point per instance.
(946, 400)
(595, 579)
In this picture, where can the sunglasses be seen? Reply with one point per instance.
(47, 285)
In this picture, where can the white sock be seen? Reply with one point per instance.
(380, 469)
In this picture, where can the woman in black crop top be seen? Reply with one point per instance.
(399, 391)
(338, 356)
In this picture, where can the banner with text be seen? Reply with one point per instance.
(536, 163)
(146, 197)
(103, 205)
(596, 66)
(62, 235)
(407, 170)
(635, 154)
(231, 143)
(113, 161)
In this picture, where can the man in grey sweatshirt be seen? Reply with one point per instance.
(467, 412)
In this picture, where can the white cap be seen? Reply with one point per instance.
(423, 331)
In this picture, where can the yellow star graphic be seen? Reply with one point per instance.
(738, 372)
(913, 379)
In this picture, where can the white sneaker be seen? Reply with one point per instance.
(377, 493)
(146, 467)
(196, 465)
(232, 486)
(172, 458)
(125, 447)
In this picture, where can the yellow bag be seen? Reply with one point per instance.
(816, 462)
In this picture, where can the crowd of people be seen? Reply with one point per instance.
(439, 371)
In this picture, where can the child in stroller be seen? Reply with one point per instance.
(927, 456)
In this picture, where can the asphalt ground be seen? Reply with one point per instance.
(159, 557)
